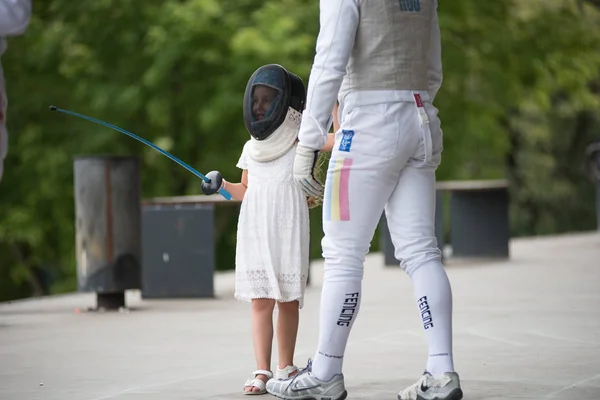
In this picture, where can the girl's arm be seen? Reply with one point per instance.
(329, 143)
(237, 190)
(336, 126)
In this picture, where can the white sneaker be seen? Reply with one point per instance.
(429, 388)
(305, 386)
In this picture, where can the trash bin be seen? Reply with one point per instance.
(178, 251)
(108, 227)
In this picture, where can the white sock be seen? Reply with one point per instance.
(434, 302)
(340, 303)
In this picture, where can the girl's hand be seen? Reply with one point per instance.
(336, 121)
(331, 136)
(216, 181)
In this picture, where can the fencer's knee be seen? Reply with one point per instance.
(412, 264)
(343, 265)
(344, 259)
(342, 272)
(415, 255)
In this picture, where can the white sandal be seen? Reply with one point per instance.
(286, 372)
(259, 383)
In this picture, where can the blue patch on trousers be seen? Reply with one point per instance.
(346, 141)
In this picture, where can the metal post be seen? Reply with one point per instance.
(108, 227)
(592, 154)
(598, 204)
(386, 244)
(439, 222)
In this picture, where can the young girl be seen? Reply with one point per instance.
(272, 253)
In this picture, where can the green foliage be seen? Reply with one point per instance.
(519, 100)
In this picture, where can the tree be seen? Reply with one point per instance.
(519, 100)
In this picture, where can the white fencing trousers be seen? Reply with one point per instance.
(384, 159)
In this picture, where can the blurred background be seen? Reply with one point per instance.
(520, 100)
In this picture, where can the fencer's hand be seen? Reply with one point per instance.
(216, 181)
(304, 166)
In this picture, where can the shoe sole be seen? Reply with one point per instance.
(456, 394)
(342, 397)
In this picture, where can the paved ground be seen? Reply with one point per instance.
(524, 329)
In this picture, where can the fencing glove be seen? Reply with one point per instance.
(304, 167)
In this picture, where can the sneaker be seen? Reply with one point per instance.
(305, 386)
(429, 388)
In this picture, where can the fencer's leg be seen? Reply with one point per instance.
(359, 183)
(410, 213)
(346, 241)
(411, 216)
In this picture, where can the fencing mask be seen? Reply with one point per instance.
(273, 103)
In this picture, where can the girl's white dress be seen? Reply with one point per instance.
(272, 250)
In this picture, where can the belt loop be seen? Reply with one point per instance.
(425, 130)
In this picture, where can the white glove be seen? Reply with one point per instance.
(304, 166)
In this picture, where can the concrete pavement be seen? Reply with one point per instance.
(528, 328)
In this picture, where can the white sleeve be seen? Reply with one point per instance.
(434, 70)
(243, 161)
(14, 16)
(338, 24)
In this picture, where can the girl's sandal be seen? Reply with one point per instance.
(256, 382)
(286, 373)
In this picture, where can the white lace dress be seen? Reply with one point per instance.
(272, 251)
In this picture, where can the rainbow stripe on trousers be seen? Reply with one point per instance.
(337, 208)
